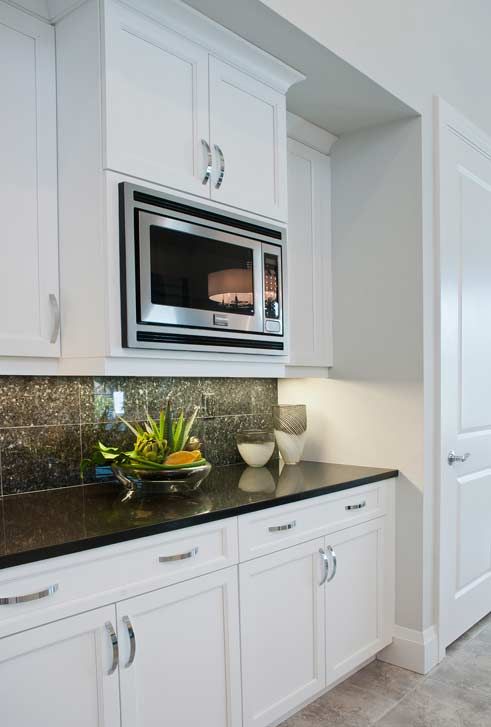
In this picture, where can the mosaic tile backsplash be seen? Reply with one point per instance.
(47, 425)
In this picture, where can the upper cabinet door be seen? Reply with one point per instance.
(156, 102)
(29, 316)
(309, 256)
(248, 136)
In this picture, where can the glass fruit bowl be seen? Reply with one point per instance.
(178, 481)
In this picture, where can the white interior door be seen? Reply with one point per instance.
(58, 675)
(248, 134)
(282, 632)
(185, 669)
(157, 124)
(464, 197)
(28, 188)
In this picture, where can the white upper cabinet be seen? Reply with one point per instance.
(156, 87)
(309, 256)
(29, 318)
(248, 135)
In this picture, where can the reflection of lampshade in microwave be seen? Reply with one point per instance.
(227, 286)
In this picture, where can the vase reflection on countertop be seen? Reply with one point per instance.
(257, 479)
(290, 481)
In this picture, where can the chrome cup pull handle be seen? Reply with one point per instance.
(131, 636)
(286, 526)
(12, 600)
(179, 556)
(221, 174)
(115, 646)
(209, 161)
(325, 563)
(55, 331)
(334, 563)
(453, 457)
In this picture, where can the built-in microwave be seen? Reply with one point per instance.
(195, 278)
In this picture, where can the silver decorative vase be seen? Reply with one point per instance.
(290, 429)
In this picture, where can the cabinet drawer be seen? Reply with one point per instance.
(60, 586)
(270, 530)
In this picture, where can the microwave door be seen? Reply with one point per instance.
(195, 276)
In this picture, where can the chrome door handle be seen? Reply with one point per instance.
(219, 181)
(131, 636)
(209, 164)
(334, 563)
(453, 457)
(325, 561)
(286, 526)
(56, 318)
(358, 506)
(11, 600)
(114, 643)
(179, 556)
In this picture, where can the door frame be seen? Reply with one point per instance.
(446, 117)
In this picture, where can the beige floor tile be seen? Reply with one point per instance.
(389, 680)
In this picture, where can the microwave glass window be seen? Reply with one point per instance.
(271, 286)
(191, 271)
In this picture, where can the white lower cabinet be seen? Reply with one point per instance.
(184, 669)
(58, 674)
(282, 632)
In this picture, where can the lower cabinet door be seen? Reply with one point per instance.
(355, 594)
(180, 654)
(58, 675)
(282, 632)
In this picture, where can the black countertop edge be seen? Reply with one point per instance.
(77, 546)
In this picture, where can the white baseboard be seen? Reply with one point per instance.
(413, 650)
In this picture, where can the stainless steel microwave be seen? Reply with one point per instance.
(194, 278)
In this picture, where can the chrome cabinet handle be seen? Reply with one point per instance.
(453, 457)
(358, 506)
(11, 600)
(179, 556)
(131, 636)
(219, 181)
(334, 563)
(287, 526)
(114, 643)
(209, 164)
(56, 318)
(325, 562)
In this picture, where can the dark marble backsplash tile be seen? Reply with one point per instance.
(48, 424)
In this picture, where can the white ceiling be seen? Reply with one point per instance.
(335, 96)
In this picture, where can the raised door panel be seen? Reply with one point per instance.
(58, 674)
(355, 597)
(248, 134)
(156, 102)
(28, 191)
(186, 666)
(309, 256)
(282, 632)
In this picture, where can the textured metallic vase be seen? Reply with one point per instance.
(290, 428)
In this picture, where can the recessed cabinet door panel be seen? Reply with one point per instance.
(28, 192)
(57, 675)
(186, 666)
(156, 102)
(354, 597)
(248, 125)
(282, 630)
(309, 256)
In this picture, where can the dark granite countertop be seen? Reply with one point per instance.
(46, 524)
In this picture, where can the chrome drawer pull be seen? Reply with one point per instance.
(114, 643)
(11, 600)
(334, 563)
(356, 507)
(131, 636)
(287, 526)
(180, 556)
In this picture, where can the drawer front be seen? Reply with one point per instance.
(48, 589)
(280, 527)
